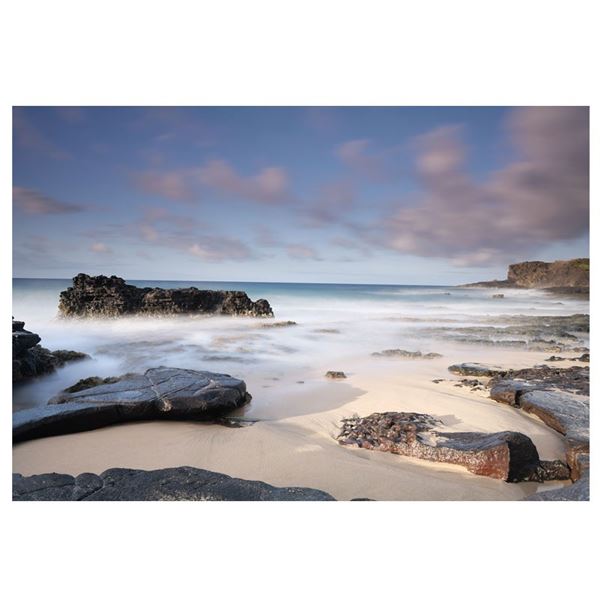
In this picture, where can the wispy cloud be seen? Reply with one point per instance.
(359, 156)
(174, 185)
(28, 137)
(100, 248)
(32, 202)
(302, 252)
(268, 186)
(334, 201)
(540, 198)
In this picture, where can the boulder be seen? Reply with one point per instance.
(103, 296)
(160, 393)
(30, 359)
(505, 455)
(180, 483)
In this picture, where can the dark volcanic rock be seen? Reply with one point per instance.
(397, 353)
(505, 455)
(160, 393)
(103, 296)
(559, 397)
(30, 359)
(578, 491)
(181, 483)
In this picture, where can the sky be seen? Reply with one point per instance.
(390, 195)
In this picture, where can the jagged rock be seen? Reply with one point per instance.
(397, 353)
(571, 379)
(30, 359)
(160, 393)
(335, 375)
(180, 483)
(103, 296)
(505, 455)
(476, 370)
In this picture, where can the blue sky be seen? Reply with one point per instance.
(424, 195)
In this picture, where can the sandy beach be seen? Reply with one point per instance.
(293, 441)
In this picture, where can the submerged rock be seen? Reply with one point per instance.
(103, 296)
(160, 393)
(335, 375)
(505, 455)
(180, 483)
(397, 353)
(277, 324)
(30, 359)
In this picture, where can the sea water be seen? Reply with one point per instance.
(336, 325)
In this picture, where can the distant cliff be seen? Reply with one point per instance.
(568, 275)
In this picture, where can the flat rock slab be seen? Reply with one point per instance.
(505, 455)
(181, 483)
(476, 370)
(565, 412)
(160, 393)
(398, 353)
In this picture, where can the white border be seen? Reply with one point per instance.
(299, 53)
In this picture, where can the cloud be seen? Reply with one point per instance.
(100, 248)
(174, 185)
(27, 136)
(268, 186)
(540, 198)
(219, 248)
(333, 203)
(302, 252)
(32, 202)
(355, 154)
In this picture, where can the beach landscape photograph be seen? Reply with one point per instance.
(309, 303)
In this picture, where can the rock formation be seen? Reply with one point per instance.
(160, 393)
(560, 400)
(505, 455)
(31, 359)
(180, 483)
(560, 275)
(103, 296)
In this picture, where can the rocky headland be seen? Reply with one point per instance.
(568, 276)
(103, 296)
(180, 483)
(30, 359)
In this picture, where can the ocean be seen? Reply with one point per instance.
(336, 325)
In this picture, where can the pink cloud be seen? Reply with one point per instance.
(32, 202)
(100, 248)
(269, 186)
(540, 198)
(174, 185)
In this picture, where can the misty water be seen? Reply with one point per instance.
(336, 324)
